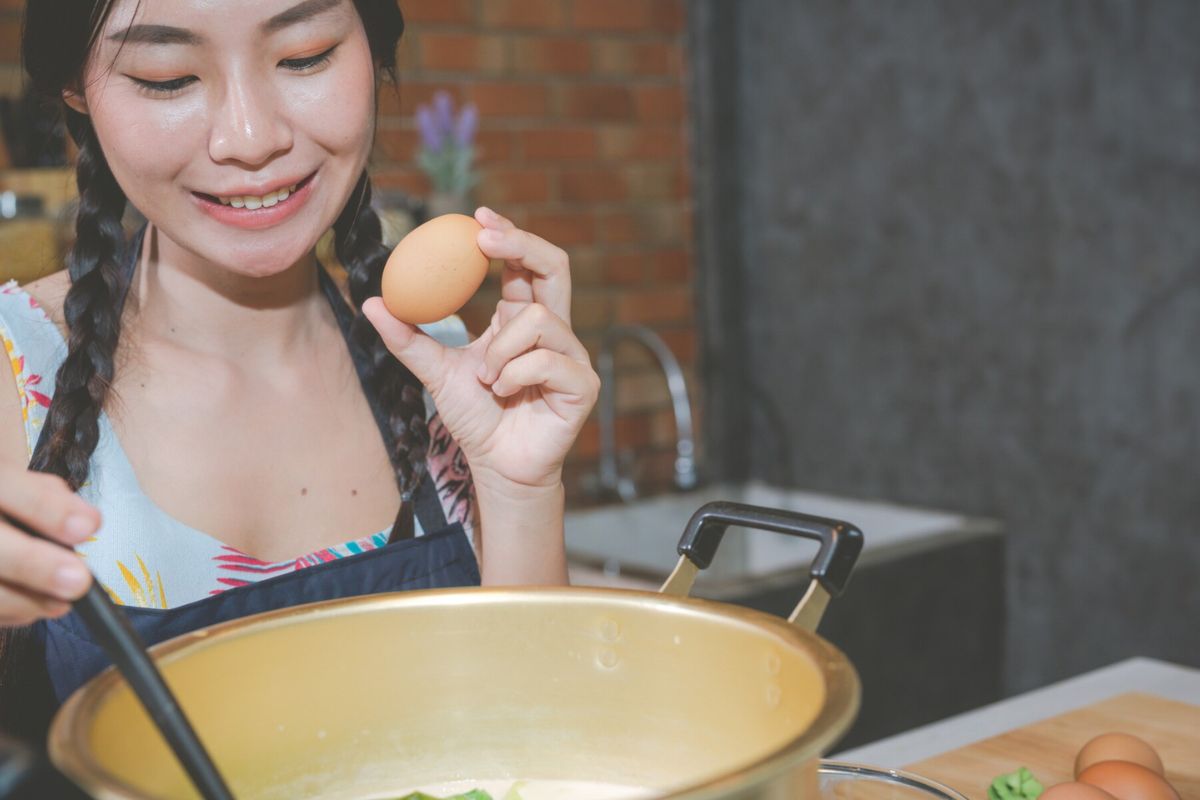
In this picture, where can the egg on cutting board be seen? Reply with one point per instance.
(1075, 791)
(1118, 747)
(434, 270)
(1125, 780)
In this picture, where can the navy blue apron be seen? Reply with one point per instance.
(443, 557)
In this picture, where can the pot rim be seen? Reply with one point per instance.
(842, 685)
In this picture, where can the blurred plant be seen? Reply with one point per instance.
(447, 151)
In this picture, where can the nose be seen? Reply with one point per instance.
(249, 125)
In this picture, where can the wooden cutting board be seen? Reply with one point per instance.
(1048, 747)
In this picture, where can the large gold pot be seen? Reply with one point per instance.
(363, 697)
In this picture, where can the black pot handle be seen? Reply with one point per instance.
(840, 543)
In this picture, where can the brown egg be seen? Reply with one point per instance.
(1125, 780)
(1075, 791)
(434, 270)
(1117, 747)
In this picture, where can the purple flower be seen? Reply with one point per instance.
(443, 110)
(431, 137)
(468, 123)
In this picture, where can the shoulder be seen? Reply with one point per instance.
(49, 294)
(33, 348)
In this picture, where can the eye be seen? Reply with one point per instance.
(302, 64)
(163, 88)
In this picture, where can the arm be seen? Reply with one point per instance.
(521, 534)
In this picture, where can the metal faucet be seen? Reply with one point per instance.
(611, 478)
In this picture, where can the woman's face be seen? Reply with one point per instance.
(238, 128)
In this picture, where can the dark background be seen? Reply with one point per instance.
(949, 255)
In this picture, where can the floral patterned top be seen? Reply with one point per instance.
(141, 555)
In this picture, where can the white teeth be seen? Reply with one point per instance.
(266, 201)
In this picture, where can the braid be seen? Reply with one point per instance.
(93, 312)
(359, 247)
(92, 309)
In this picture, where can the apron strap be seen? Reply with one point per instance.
(424, 502)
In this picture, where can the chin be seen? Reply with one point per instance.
(263, 259)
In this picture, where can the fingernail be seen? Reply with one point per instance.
(482, 371)
(493, 237)
(70, 581)
(79, 527)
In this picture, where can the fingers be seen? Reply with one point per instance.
(537, 271)
(568, 382)
(40, 567)
(421, 353)
(533, 327)
(46, 504)
(21, 607)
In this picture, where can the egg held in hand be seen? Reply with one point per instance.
(434, 270)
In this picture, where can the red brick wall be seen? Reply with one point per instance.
(583, 141)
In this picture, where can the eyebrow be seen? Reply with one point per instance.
(167, 34)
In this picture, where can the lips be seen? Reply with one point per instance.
(282, 188)
(256, 216)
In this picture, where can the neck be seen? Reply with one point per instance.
(252, 319)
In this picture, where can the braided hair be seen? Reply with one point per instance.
(58, 36)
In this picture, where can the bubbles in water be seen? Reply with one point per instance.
(773, 663)
(774, 696)
(321, 734)
(608, 658)
(610, 631)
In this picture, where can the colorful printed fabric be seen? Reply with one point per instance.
(141, 555)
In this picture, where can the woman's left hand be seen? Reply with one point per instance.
(514, 399)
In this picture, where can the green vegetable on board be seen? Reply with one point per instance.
(1019, 785)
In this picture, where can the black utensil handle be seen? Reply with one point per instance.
(16, 763)
(124, 647)
(840, 541)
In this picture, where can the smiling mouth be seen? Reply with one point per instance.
(254, 203)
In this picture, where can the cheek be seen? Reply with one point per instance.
(339, 113)
(129, 127)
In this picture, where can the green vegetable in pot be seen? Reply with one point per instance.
(1019, 785)
(474, 794)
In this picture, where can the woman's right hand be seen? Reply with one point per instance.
(40, 578)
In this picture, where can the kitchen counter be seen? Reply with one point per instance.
(1161, 678)
(639, 538)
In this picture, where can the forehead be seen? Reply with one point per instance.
(225, 16)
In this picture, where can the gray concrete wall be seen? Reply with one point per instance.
(968, 276)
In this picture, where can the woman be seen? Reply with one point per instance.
(231, 434)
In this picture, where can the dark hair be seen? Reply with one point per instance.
(57, 39)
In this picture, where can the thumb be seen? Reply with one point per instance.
(421, 353)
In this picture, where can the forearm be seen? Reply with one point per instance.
(521, 538)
